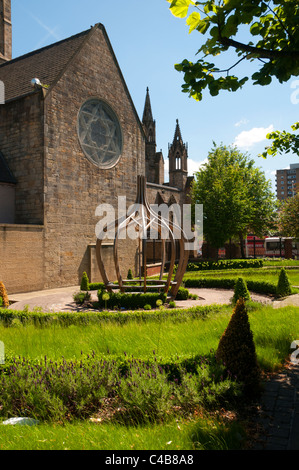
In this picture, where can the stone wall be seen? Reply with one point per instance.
(7, 203)
(21, 141)
(74, 186)
(21, 257)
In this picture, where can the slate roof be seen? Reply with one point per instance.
(46, 64)
(6, 175)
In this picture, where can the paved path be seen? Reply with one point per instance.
(61, 300)
(278, 413)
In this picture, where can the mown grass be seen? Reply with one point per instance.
(281, 262)
(191, 434)
(253, 274)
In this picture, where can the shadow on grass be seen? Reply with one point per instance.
(217, 436)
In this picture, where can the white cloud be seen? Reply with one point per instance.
(247, 139)
(242, 122)
(193, 166)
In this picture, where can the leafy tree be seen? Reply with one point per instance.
(283, 142)
(273, 43)
(288, 218)
(236, 197)
(272, 30)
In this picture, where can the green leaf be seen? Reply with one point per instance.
(193, 21)
(179, 8)
(255, 29)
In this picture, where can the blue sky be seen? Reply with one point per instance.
(148, 40)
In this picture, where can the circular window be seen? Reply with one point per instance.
(99, 133)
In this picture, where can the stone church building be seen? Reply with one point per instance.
(70, 141)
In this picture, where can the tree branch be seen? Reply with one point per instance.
(262, 53)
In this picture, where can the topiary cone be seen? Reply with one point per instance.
(283, 286)
(84, 282)
(4, 295)
(236, 350)
(240, 291)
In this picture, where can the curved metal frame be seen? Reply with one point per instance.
(144, 217)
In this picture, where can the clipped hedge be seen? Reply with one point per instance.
(130, 301)
(225, 264)
(183, 294)
(96, 285)
(65, 319)
(261, 287)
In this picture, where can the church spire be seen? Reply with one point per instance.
(149, 125)
(178, 160)
(177, 134)
(5, 31)
(147, 112)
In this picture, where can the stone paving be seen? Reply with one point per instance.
(278, 415)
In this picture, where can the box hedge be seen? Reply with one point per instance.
(261, 287)
(129, 301)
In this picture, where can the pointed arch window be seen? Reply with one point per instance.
(178, 161)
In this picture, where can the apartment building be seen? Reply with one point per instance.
(287, 182)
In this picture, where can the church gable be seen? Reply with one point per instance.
(46, 64)
(94, 150)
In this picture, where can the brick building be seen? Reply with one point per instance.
(69, 141)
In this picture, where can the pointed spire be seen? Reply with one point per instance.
(177, 134)
(147, 113)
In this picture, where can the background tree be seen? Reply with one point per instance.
(288, 218)
(273, 44)
(236, 197)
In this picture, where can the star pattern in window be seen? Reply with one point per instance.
(99, 133)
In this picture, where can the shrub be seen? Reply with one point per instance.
(130, 301)
(84, 282)
(65, 319)
(240, 291)
(236, 350)
(3, 295)
(262, 287)
(183, 294)
(127, 391)
(96, 286)
(283, 287)
(81, 297)
(147, 307)
(171, 304)
(130, 275)
(225, 264)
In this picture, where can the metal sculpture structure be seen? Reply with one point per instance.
(143, 218)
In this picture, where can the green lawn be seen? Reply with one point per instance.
(281, 262)
(189, 434)
(273, 329)
(254, 274)
(171, 339)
